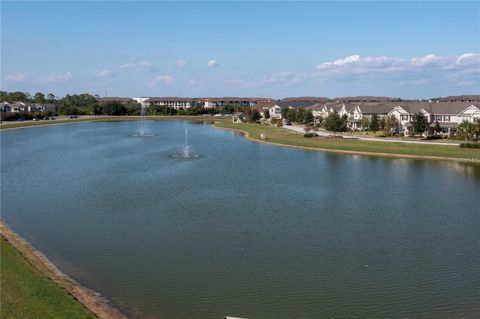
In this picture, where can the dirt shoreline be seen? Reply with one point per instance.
(90, 299)
(363, 153)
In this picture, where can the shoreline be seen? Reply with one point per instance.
(348, 152)
(215, 119)
(5, 127)
(91, 300)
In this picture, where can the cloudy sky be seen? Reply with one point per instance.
(274, 49)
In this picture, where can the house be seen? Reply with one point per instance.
(239, 117)
(275, 112)
(10, 107)
(263, 107)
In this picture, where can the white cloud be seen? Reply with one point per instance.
(136, 65)
(55, 78)
(104, 73)
(428, 59)
(418, 70)
(286, 78)
(213, 63)
(15, 78)
(164, 79)
(468, 58)
(181, 63)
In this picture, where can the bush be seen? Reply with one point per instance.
(434, 137)
(309, 135)
(470, 145)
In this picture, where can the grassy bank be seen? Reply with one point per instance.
(26, 293)
(289, 138)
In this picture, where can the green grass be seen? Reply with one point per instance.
(286, 137)
(26, 293)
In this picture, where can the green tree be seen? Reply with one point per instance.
(51, 98)
(299, 116)
(419, 123)
(254, 116)
(308, 117)
(390, 124)
(374, 123)
(437, 129)
(365, 123)
(466, 130)
(343, 123)
(266, 114)
(39, 98)
(333, 122)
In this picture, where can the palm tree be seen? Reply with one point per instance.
(465, 129)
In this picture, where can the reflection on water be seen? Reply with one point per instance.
(249, 230)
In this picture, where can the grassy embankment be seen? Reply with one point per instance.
(289, 138)
(26, 293)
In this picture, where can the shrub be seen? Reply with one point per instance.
(470, 145)
(309, 135)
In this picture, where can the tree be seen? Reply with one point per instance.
(419, 123)
(299, 116)
(51, 98)
(333, 122)
(466, 130)
(365, 122)
(343, 123)
(266, 114)
(390, 124)
(308, 117)
(437, 129)
(39, 98)
(114, 108)
(320, 121)
(374, 123)
(254, 116)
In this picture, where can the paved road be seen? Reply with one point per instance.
(321, 132)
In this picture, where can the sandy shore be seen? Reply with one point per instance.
(438, 158)
(92, 300)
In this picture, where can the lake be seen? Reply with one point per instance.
(247, 229)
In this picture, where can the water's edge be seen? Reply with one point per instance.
(92, 300)
(347, 152)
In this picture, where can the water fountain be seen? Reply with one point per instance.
(142, 132)
(186, 150)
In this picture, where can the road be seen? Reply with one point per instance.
(324, 133)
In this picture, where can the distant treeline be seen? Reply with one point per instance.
(87, 104)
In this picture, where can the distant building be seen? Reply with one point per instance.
(173, 102)
(239, 117)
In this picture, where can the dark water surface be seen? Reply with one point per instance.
(248, 230)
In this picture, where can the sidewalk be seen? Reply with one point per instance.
(324, 133)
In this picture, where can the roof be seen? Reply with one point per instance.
(169, 98)
(296, 104)
(262, 105)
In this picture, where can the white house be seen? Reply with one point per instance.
(470, 114)
(275, 112)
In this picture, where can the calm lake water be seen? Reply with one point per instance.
(248, 230)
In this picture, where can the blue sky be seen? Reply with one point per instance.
(274, 49)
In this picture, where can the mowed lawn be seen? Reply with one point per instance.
(283, 136)
(26, 293)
